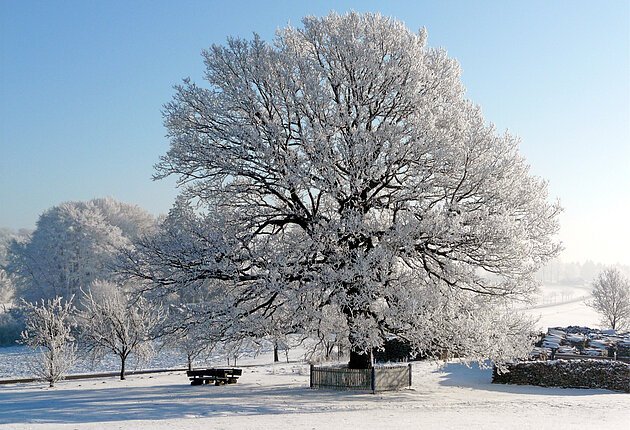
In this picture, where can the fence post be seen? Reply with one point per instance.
(311, 376)
(410, 374)
(373, 379)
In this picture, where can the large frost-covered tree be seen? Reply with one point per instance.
(74, 244)
(341, 167)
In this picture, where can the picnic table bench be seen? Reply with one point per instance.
(219, 376)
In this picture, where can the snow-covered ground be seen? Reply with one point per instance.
(277, 396)
(566, 314)
(564, 305)
(269, 396)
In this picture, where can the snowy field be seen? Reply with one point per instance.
(558, 305)
(277, 396)
(564, 305)
(267, 396)
(14, 362)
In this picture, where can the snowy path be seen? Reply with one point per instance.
(273, 397)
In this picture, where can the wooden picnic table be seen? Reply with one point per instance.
(218, 375)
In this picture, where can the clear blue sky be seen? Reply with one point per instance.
(82, 84)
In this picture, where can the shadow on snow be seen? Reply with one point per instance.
(161, 402)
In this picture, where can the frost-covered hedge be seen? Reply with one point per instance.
(607, 374)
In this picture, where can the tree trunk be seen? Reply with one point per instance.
(122, 367)
(189, 362)
(275, 353)
(360, 360)
(51, 370)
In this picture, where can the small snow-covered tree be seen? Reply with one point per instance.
(112, 321)
(191, 341)
(326, 332)
(611, 298)
(189, 333)
(342, 165)
(239, 347)
(49, 326)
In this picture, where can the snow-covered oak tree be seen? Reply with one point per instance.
(342, 165)
(49, 326)
(115, 321)
(611, 298)
(74, 244)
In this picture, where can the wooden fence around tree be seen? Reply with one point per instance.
(380, 378)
